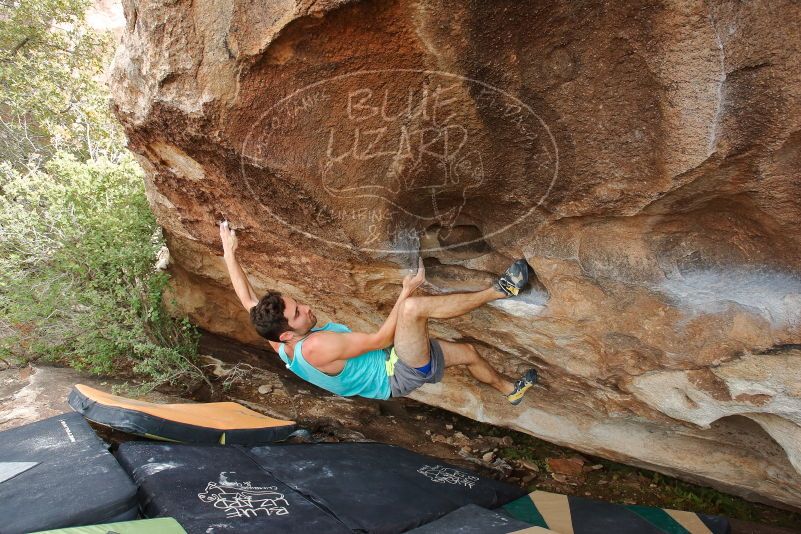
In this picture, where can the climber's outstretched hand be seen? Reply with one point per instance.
(412, 282)
(228, 237)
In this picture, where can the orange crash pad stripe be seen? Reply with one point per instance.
(216, 415)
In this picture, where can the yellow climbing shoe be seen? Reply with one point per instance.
(528, 379)
(514, 279)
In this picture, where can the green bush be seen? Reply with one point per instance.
(77, 284)
(77, 238)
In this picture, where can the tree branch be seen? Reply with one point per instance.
(18, 47)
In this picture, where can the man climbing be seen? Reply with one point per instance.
(391, 362)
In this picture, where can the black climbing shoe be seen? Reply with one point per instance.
(514, 279)
(528, 379)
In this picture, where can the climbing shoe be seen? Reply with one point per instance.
(514, 279)
(528, 379)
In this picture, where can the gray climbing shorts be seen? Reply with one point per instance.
(404, 379)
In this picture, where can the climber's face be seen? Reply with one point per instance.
(300, 316)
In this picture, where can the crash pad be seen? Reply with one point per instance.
(215, 422)
(162, 525)
(567, 514)
(211, 489)
(75, 480)
(472, 519)
(362, 484)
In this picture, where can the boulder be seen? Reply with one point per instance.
(643, 157)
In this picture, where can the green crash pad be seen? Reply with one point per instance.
(575, 515)
(162, 525)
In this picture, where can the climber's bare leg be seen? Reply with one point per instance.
(411, 332)
(466, 354)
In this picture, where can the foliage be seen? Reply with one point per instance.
(52, 98)
(76, 277)
(77, 238)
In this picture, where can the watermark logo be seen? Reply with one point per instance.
(377, 160)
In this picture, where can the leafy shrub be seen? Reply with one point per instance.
(77, 245)
(77, 238)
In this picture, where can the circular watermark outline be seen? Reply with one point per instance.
(395, 251)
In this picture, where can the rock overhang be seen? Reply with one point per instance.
(644, 161)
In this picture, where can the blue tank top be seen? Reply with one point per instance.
(364, 375)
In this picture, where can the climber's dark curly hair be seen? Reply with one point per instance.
(268, 316)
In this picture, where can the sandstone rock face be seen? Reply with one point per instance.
(644, 158)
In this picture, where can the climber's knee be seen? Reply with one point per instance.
(412, 307)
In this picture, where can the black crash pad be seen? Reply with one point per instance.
(379, 488)
(472, 519)
(212, 489)
(75, 481)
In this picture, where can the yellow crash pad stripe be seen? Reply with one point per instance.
(217, 415)
(555, 510)
(152, 436)
(690, 521)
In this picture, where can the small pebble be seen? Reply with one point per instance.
(488, 457)
(264, 389)
(531, 466)
(448, 427)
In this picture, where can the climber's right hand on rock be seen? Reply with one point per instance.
(412, 282)
(228, 237)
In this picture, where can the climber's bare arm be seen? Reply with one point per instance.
(239, 279)
(326, 347)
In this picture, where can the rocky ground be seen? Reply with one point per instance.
(257, 379)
